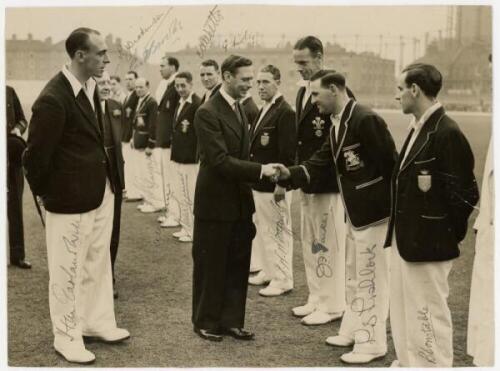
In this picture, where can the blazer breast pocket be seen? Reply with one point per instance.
(424, 172)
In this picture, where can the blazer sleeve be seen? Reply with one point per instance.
(377, 140)
(151, 124)
(314, 169)
(44, 133)
(456, 172)
(287, 138)
(213, 146)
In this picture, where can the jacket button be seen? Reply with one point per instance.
(103, 161)
(299, 143)
(251, 154)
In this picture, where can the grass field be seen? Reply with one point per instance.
(154, 281)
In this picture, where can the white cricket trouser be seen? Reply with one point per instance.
(420, 318)
(184, 183)
(274, 238)
(323, 249)
(171, 206)
(80, 281)
(130, 171)
(367, 289)
(154, 187)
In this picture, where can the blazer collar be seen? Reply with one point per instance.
(344, 123)
(429, 128)
(275, 104)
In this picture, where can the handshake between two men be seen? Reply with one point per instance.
(276, 172)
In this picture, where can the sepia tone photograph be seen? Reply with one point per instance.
(251, 186)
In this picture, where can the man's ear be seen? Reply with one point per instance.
(226, 75)
(79, 55)
(415, 90)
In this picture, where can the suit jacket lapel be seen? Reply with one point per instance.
(309, 106)
(267, 117)
(84, 105)
(230, 116)
(298, 103)
(426, 131)
(183, 111)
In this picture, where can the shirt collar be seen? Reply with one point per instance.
(76, 85)
(275, 98)
(189, 99)
(143, 98)
(339, 116)
(229, 99)
(417, 125)
(303, 83)
(171, 78)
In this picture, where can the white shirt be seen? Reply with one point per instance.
(229, 99)
(162, 87)
(182, 102)
(88, 87)
(417, 126)
(336, 121)
(266, 108)
(139, 102)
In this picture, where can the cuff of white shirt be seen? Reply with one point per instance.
(261, 171)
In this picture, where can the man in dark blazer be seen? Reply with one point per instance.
(184, 158)
(322, 220)
(223, 207)
(16, 126)
(112, 115)
(167, 98)
(209, 76)
(362, 152)
(68, 166)
(143, 143)
(128, 113)
(272, 140)
(433, 194)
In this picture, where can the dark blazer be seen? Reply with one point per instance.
(274, 140)
(312, 131)
(128, 114)
(15, 113)
(363, 159)
(111, 114)
(65, 161)
(147, 111)
(250, 109)
(164, 123)
(212, 93)
(222, 189)
(433, 193)
(184, 141)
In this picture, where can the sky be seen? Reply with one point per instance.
(269, 24)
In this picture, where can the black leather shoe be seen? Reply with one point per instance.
(208, 334)
(23, 264)
(239, 333)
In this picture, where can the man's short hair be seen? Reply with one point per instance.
(310, 42)
(136, 75)
(273, 70)
(321, 73)
(79, 40)
(233, 62)
(210, 62)
(426, 76)
(334, 78)
(185, 75)
(116, 78)
(172, 61)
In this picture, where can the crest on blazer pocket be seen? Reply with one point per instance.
(185, 125)
(352, 160)
(128, 111)
(264, 139)
(318, 126)
(424, 181)
(116, 112)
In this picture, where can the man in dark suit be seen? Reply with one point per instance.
(322, 221)
(361, 151)
(223, 207)
(112, 114)
(128, 113)
(184, 165)
(433, 194)
(16, 126)
(167, 98)
(67, 165)
(143, 144)
(272, 139)
(209, 76)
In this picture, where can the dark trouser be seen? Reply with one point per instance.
(15, 188)
(221, 257)
(115, 235)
